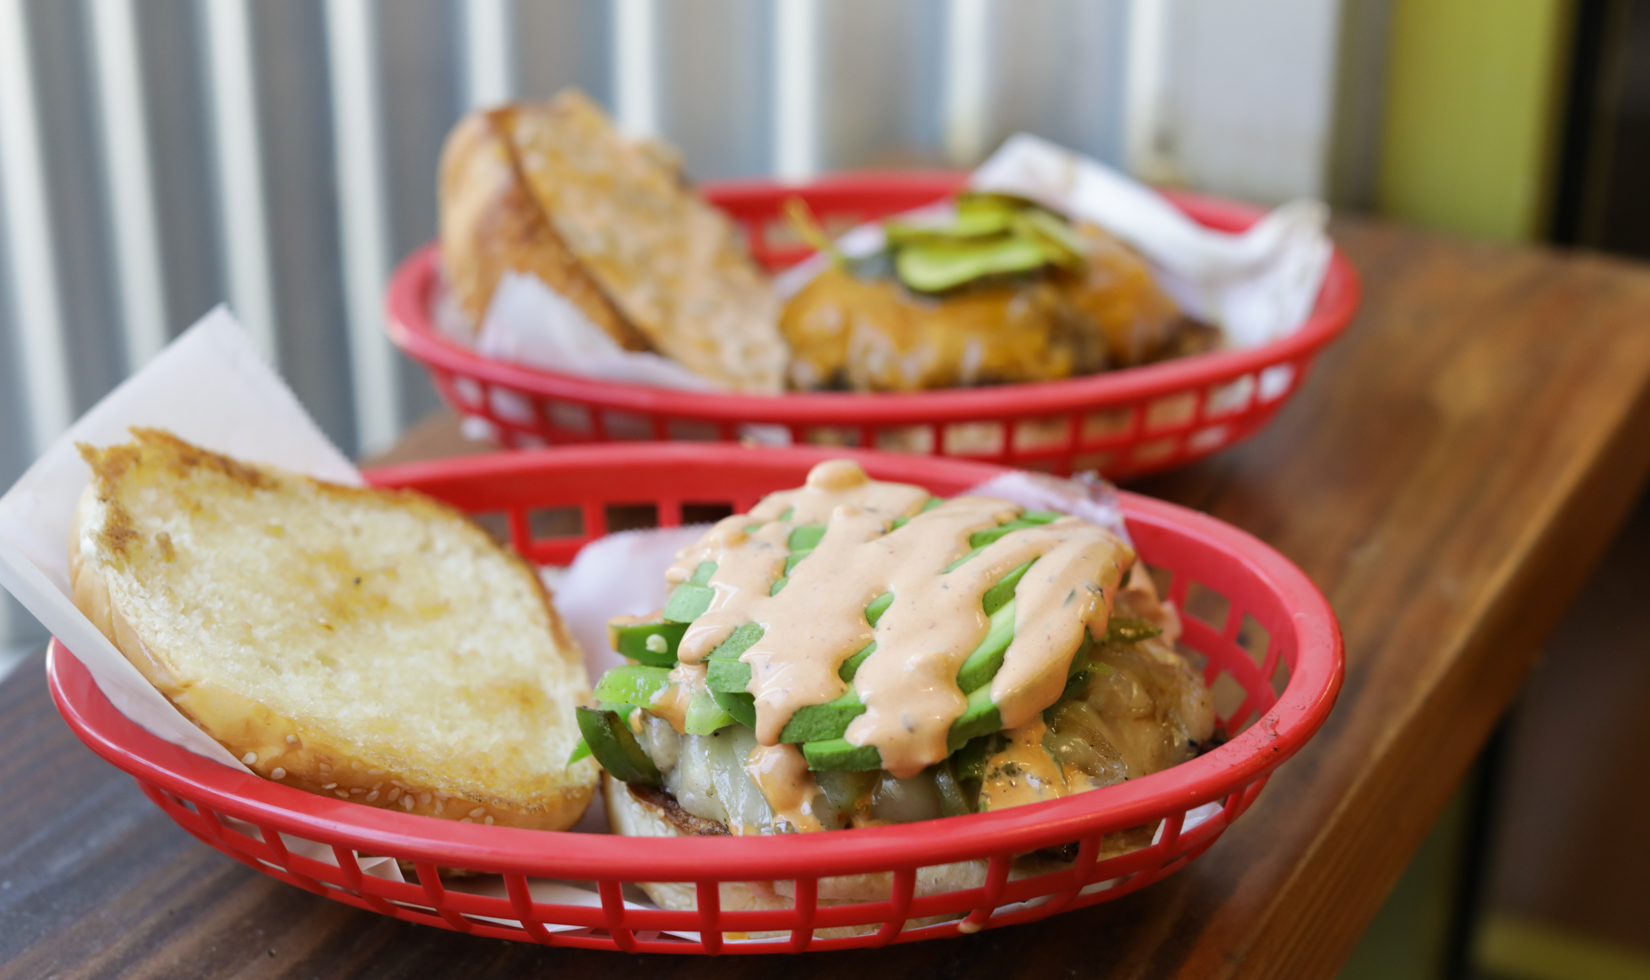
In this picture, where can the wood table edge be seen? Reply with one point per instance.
(1587, 508)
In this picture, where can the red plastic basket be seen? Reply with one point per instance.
(1277, 652)
(1122, 423)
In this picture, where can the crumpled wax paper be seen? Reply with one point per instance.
(211, 387)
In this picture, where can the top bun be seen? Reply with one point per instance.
(371, 645)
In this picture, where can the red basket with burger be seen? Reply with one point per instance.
(993, 328)
(1053, 804)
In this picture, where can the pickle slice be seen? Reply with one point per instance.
(935, 266)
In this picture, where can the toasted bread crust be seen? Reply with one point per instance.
(491, 224)
(552, 189)
(306, 755)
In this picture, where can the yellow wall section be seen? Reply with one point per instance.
(1470, 125)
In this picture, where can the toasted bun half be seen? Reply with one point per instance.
(556, 190)
(371, 645)
(641, 812)
(491, 224)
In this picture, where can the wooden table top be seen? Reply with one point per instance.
(1448, 475)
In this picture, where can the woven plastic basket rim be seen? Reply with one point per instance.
(411, 328)
(1272, 739)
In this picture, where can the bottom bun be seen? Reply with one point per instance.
(645, 812)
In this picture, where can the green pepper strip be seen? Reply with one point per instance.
(615, 748)
(633, 684)
(635, 641)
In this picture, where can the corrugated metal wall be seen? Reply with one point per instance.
(160, 156)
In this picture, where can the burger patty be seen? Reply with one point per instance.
(687, 823)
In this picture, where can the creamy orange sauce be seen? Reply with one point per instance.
(671, 704)
(1082, 570)
(936, 620)
(1023, 772)
(781, 773)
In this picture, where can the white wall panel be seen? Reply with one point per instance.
(636, 66)
(1247, 98)
(489, 51)
(566, 42)
(125, 130)
(352, 47)
(880, 81)
(286, 175)
(238, 149)
(717, 85)
(42, 371)
(1057, 68)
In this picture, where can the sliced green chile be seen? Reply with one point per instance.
(728, 676)
(982, 665)
(822, 722)
(632, 641)
(850, 667)
(632, 684)
(1002, 593)
(1122, 629)
(980, 717)
(615, 748)
(705, 716)
(739, 704)
(806, 537)
(953, 801)
(688, 602)
(840, 754)
(724, 671)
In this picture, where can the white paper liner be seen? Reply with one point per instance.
(1256, 287)
(210, 387)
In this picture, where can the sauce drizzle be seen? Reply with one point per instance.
(908, 686)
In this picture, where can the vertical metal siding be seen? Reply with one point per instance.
(127, 178)
(715, 99)
(232, 94)
(358, 165)
(160, 156)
